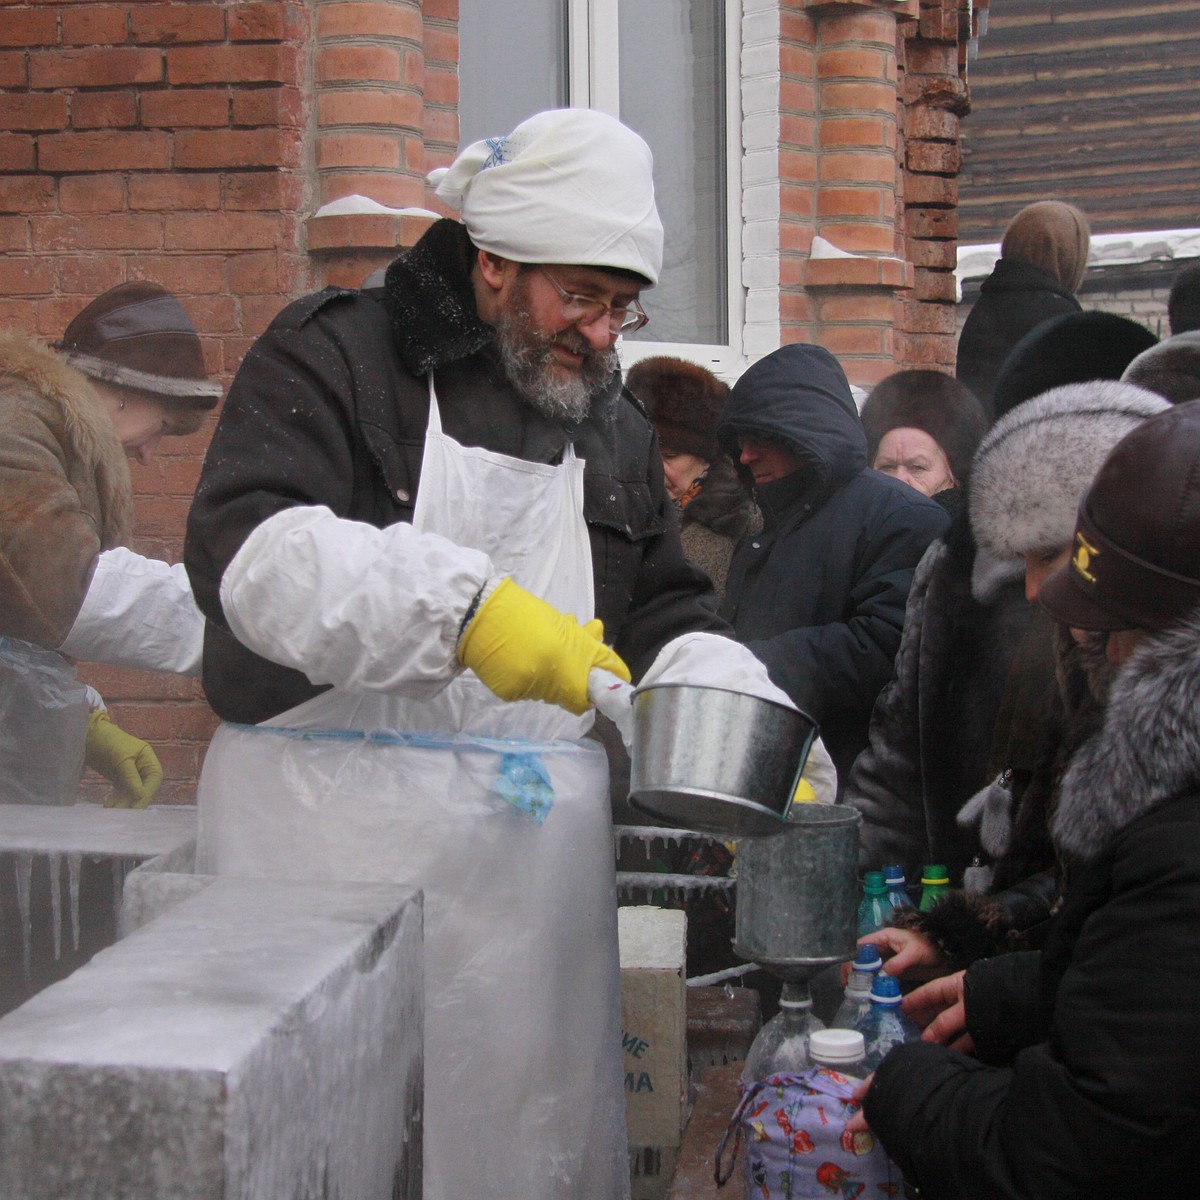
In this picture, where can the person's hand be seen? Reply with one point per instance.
(127, 762)
(858, 1122)
(525, 649)
(941, 1011)
(906, 953)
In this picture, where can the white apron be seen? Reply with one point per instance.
(510, 839)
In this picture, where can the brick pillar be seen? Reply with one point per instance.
(369, 138)
(853, 300)
(935, 98)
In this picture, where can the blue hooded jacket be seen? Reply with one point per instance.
(819, 595)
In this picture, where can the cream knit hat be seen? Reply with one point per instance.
(570, 185)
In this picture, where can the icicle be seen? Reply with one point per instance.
(120, 868)
(24, 867)
(74, 862)
(55, 863)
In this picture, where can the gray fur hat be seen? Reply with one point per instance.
(1035, 463)
(1170, 369)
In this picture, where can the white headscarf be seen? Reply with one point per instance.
(571, 185)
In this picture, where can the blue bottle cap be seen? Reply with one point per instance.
(886, 989)
(894, 873)
(867, 958)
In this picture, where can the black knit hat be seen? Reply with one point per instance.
(683, 399)
(1072, 348)
(1136, 560)
(931, 401)
(136, 335)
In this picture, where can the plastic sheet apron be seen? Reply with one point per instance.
(523, 1083)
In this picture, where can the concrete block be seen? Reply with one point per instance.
(260, 1039)
(653, 944)
(61, 875)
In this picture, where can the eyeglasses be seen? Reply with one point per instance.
(584, 310)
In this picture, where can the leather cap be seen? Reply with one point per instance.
(1135, 561)
(137, 335)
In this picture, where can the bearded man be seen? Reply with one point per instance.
(416, 501)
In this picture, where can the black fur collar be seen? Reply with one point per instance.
(1148, 749)
(431, 302)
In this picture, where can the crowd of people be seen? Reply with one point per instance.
(432, 507)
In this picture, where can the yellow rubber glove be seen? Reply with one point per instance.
(525, 649)
(127, 762)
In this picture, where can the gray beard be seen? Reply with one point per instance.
(528, 363)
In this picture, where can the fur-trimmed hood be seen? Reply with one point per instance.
(31, 373)
(1148, 749)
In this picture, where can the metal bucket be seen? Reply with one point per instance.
(714, 760)
(797, 894)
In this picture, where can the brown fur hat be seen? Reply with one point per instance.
(931, 401)
(683, 399)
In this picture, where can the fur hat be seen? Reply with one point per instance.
(931, 401)
(1050, 235)
(1171, 369)
(1036, 462)
(683, 399)
(136, 335)
(1072, 348)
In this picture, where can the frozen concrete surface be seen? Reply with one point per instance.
(61, 876)
(258, 1040)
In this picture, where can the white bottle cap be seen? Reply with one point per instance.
(836, 1045)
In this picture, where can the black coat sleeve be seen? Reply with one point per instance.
(1107, 1103)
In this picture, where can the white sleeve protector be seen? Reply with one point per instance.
(365, 609)
(138, 612)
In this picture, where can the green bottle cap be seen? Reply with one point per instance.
(934, 874)
(873, 884)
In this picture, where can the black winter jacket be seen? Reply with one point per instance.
(819, 594)
(1014, 298)
(1102, 1097)
(330, 408)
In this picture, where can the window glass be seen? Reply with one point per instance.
(512, 63)
(672, 74)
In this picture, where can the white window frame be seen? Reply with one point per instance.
(593, 81)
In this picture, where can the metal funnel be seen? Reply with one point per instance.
(797, 893)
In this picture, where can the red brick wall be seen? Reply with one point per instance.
(165, 142)
(869, 97)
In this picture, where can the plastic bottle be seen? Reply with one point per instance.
(885, 1023)
(935, 883)
(858, 988)
(781, 1047)
(843, 1050)
(875, 909)
(893, 876)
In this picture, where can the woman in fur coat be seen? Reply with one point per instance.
(128, 371)
(1097, 1089)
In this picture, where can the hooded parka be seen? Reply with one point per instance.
(819, 595)
(1102, 1095)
